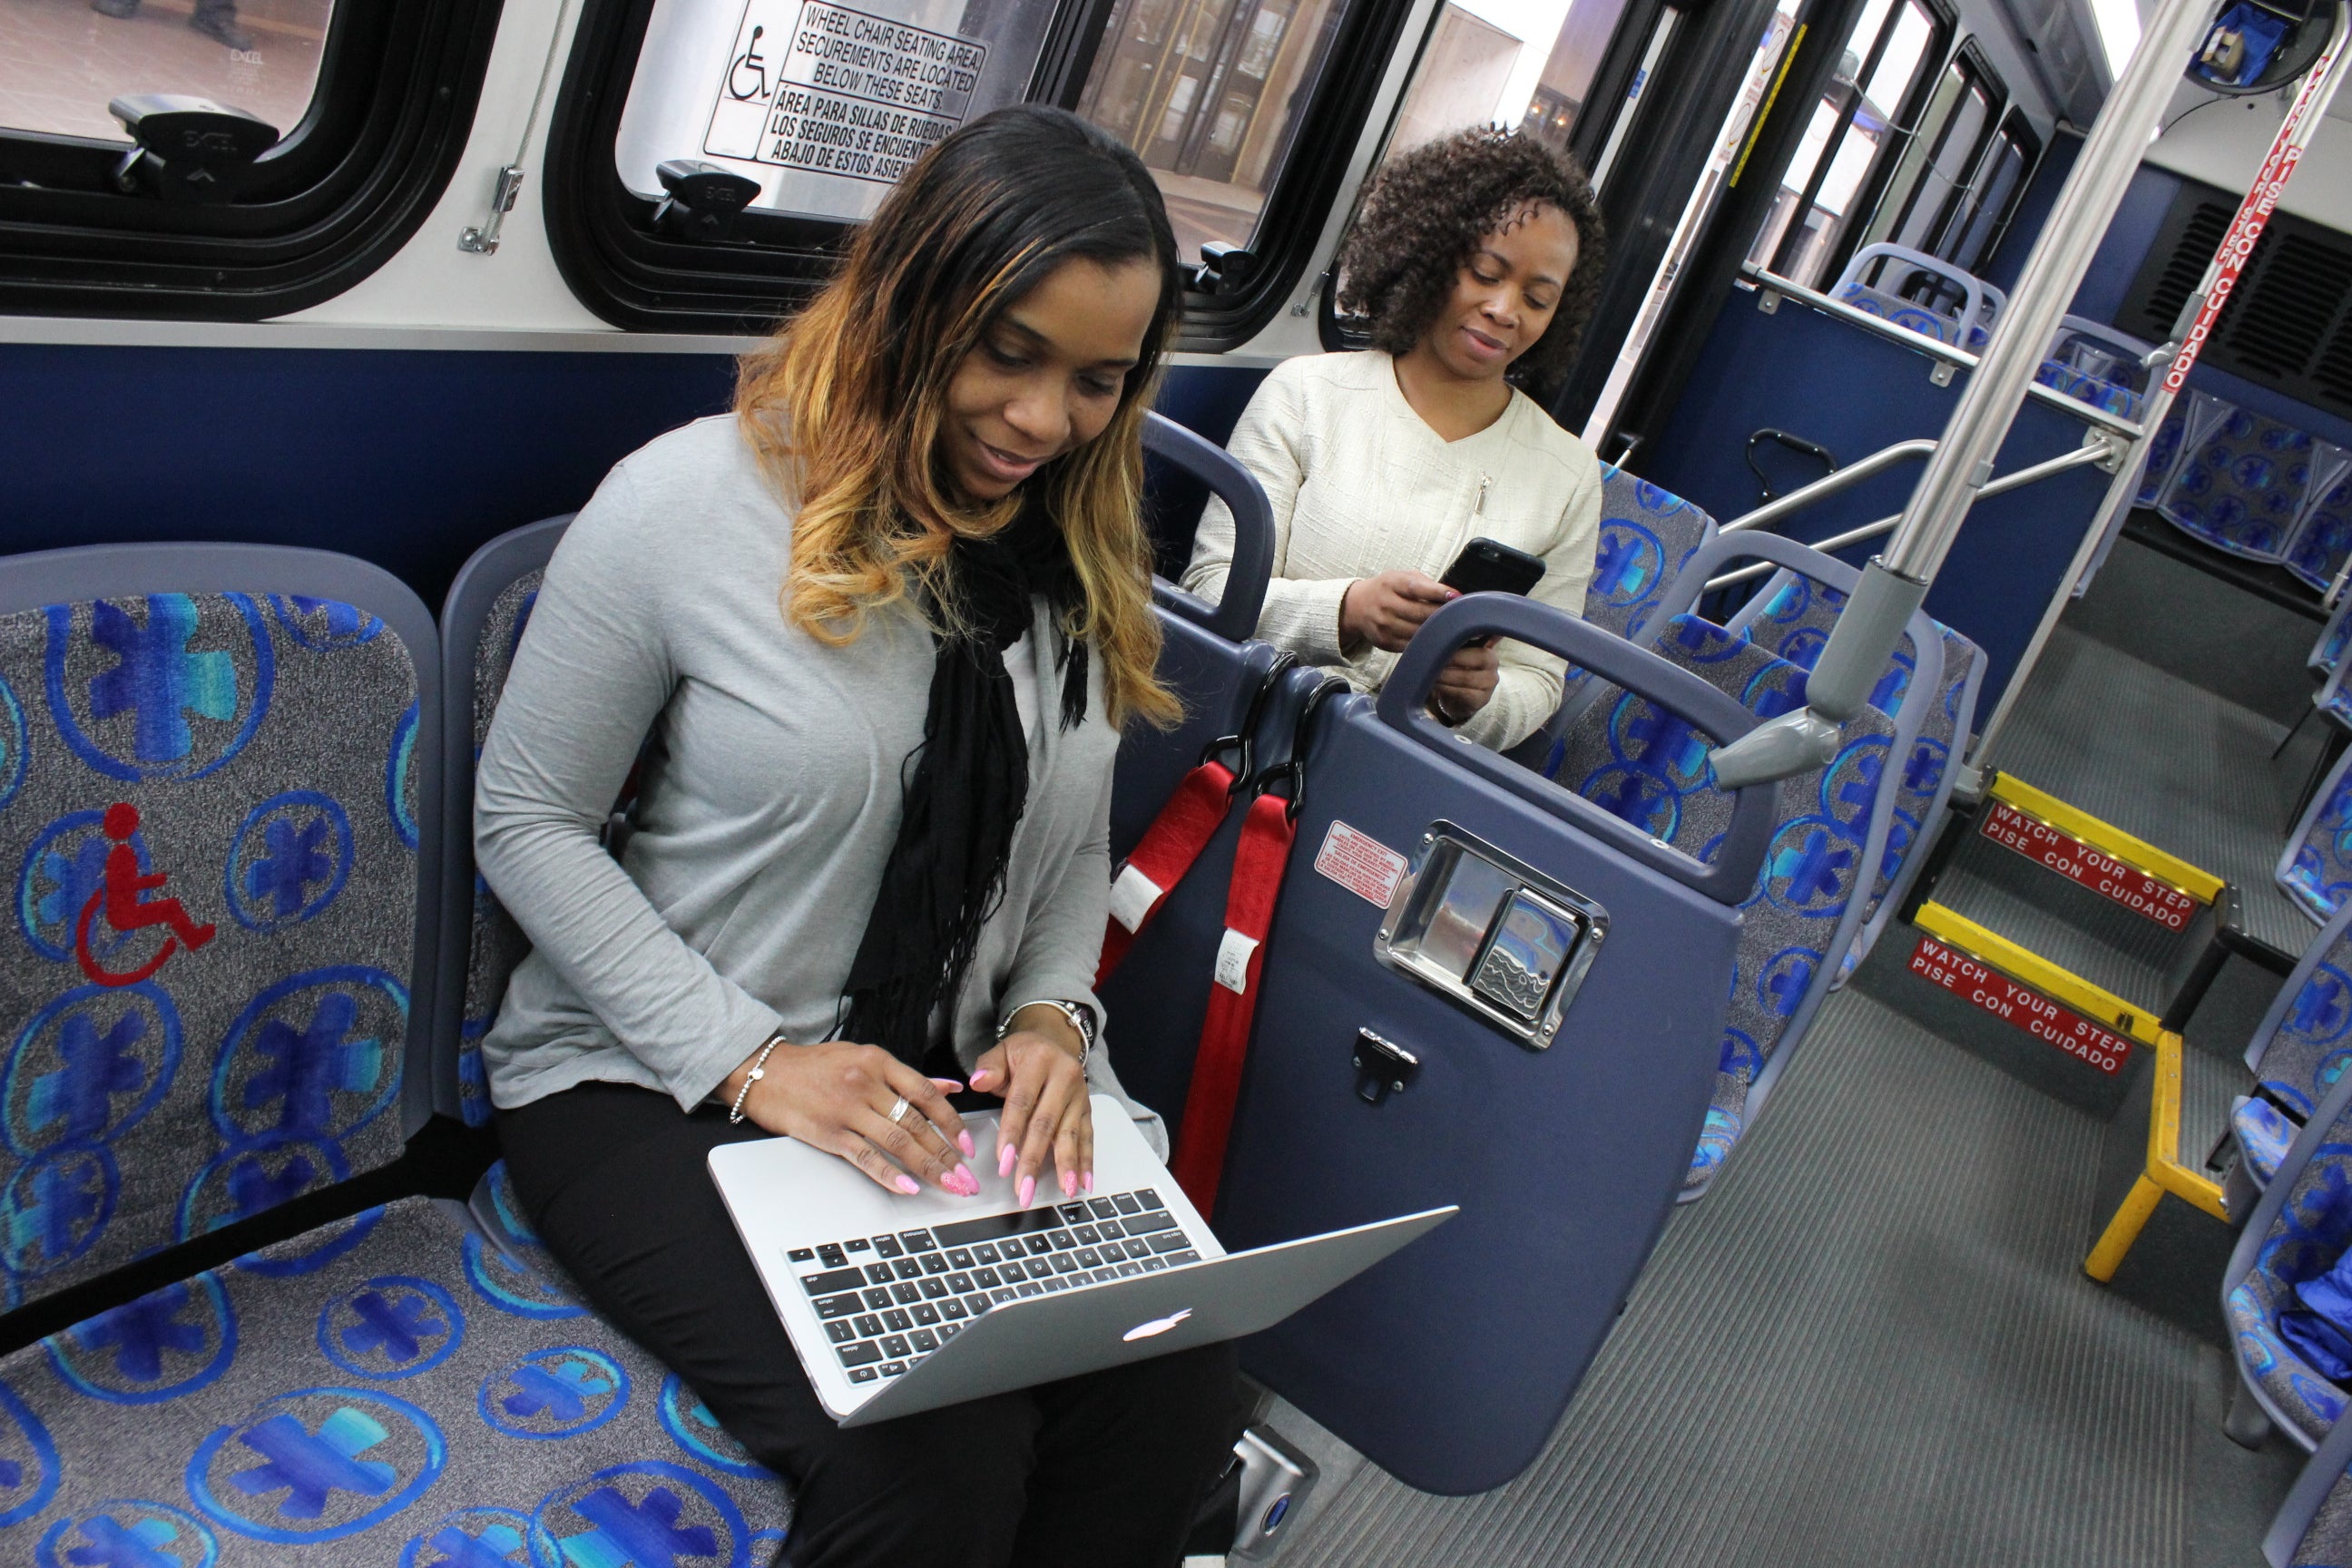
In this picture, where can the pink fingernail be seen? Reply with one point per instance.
(963, 1175)
(1069, 1185)
(1028, 1191)
(964, 1140)
(1005, 1158)
(1087, 1182)
(982, 1078)
(909, 1185)
(947, 1084)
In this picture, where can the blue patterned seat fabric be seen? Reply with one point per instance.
(496, 944)
(2263, 1136)
(2323, 538)
(1791, 617)
(1646, 537)
(2328, 653)
(2311, 1232)
(2326, 1543)
(2183, 427)
(393, 1389)
(2095, 368)
(1650, 768)
(2317, 869)
(209, 804)
(1910, 315)
(2242, 483)
(2299, 1052)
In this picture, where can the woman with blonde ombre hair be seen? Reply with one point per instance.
(876, 632)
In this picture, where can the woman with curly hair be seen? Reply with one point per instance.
(1476, 261)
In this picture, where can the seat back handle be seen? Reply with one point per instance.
(1234, 616)
(1404, 706)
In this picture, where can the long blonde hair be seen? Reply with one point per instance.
(844, 407)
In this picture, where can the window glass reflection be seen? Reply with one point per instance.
(62, 60)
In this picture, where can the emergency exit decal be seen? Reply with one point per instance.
(2077, 862)
(2012, 1003)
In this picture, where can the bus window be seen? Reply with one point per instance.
(1983, 213)
(1852, 130)
(1210, 93)
(65, 58)
(1951, 140)
(1528, 64)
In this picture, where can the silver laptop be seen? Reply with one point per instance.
(899, 1304)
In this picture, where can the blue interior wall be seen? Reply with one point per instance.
(409, 459)
(1855, 392)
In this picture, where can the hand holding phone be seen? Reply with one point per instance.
(1490, 566)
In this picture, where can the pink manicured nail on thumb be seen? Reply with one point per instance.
(947, 1085)
(982, 1078)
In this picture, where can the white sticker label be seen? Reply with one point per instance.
(1232, 961)
(828, 90)
(1361, 863)
(1132, 894)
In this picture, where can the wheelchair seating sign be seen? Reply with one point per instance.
(824, 88)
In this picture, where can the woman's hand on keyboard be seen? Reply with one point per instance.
(1047, 1108)
(837, 1096)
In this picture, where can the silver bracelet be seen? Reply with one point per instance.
(1081, 1019)
(758, 1070)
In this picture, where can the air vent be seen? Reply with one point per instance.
(2289, 324)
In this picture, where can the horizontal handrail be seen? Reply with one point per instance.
(2033, 473)
(1933, 348)
(1829, 484)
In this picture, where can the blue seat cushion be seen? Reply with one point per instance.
(2311, 1233)
(1902, 313)
(2318, 871)
(2263, 1136)
(392, 1390)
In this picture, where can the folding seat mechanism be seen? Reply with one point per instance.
(1491, 934)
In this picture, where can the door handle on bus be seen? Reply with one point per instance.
(1404, 702)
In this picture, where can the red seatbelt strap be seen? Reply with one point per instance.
(1258, 864)
(1163, 857)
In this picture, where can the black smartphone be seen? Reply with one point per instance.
(1486, 566)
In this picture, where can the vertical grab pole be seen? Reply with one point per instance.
(2189, 331)
(1895, 582)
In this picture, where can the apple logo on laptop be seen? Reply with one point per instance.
(1156, 1326)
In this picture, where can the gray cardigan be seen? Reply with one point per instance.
(766, 807)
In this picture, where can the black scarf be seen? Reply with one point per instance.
(965, 787)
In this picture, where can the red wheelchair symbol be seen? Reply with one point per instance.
(121, 895)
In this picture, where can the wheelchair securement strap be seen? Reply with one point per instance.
(1258, 863)
(1163, 857)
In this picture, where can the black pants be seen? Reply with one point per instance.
(1103, 1470)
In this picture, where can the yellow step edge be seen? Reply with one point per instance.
(2036, 973)
(2165, 1172)
(2106, 838)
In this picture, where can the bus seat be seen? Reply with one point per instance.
(2299, 1052)
(1792, 615)
(1449, 1364)
(362, 1383)
(2312, 1527)
(1923, 287)
(2328, 653)
(2243, 483)
(2297, 1231)
(1647, 538)
(2095, 363)
(1647, 767)
(2315, 870)
(2323, 539)
(482, 620)
(2182, 429)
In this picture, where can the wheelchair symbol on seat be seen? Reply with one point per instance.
(120, 896)
(749, 60)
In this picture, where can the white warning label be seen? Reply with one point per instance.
(840, 91)
(1360, 863)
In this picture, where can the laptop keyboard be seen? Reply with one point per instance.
(887, 1301)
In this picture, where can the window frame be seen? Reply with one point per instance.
(2011, 129)
(1973, 66)
(348, 186)
(601, 237)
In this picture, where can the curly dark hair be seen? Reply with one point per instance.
(1422, 219)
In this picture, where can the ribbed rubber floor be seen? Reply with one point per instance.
(2136, 976)
(2172, 762)
(1871, 1344)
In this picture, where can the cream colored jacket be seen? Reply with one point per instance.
(1361, 485)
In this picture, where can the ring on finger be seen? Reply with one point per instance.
(898, 1113)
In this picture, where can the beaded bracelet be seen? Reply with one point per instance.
(758, 1070)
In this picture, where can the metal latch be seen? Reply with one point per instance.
(1382, 1067)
